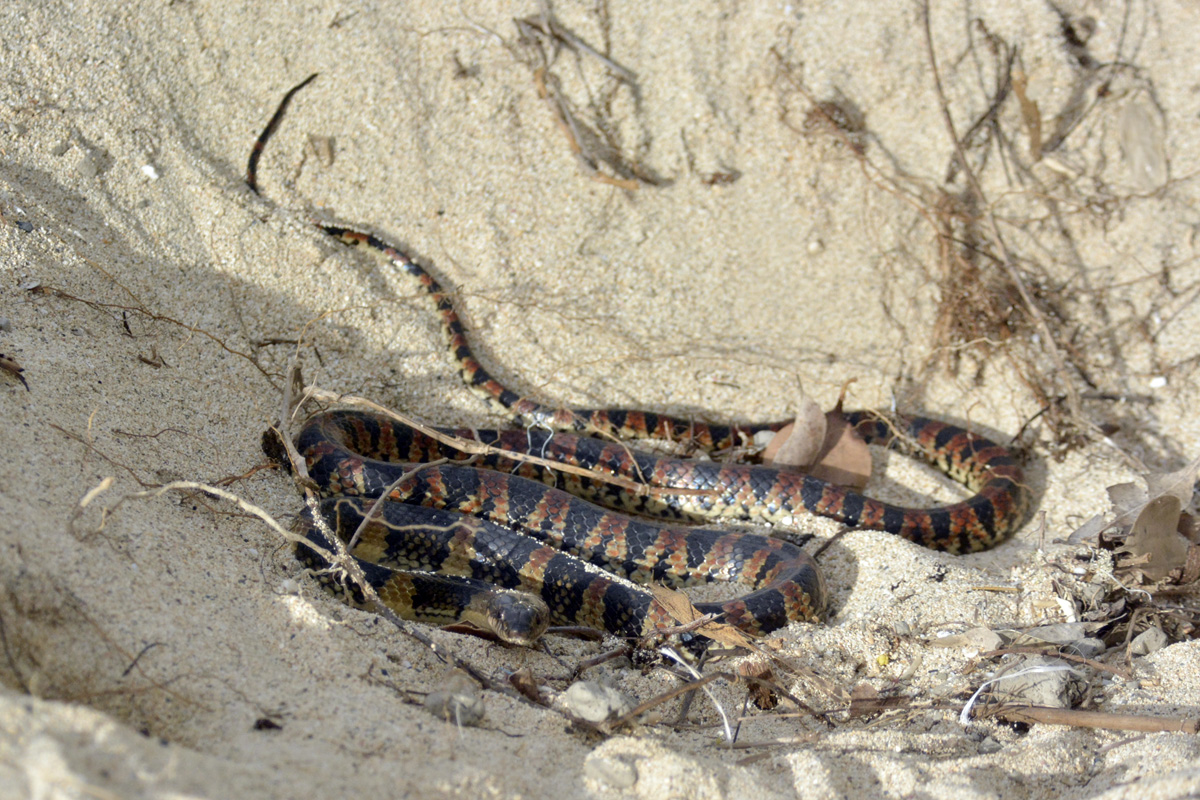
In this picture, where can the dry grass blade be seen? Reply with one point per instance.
(691, 686)
(1092, 719)
(11, 366)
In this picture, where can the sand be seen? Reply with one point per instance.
(172, 647)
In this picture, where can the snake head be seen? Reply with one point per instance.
(516, 617)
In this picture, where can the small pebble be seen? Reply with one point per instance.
(150, 172)
(595, 702)
(322, 146)
(989, 746)
(25, 226)
(1092, 593)
(1088, 647)
(5, 324)
(1148, 641)
(90, 165)
(1047, 682)
(980, 639)
(459, 701)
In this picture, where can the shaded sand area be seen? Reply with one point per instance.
(740, 248)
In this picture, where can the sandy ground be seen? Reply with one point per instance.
(146, 291)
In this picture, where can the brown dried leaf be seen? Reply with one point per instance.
(680, 608)
(865, 700)
(772, 449)
(524, 682)
(1130, 502)
(1127, 500)
(845, 458)
(841, 458)
(799, 444)
(1155, 536)
(1189, 527)
(1056, 635)
(1090, 529)
(1178, 483)
(761, 694)
(1142, 144)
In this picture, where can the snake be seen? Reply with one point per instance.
(512, 545)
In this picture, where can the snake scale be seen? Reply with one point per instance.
(515, 547)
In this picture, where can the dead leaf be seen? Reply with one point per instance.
(864, 700)
(1090, 529)
(1127, 497)
(524, 682)
(822, 445)
(1131, 503)
(775, 443)
(1056, 635)
(845, 458)
(1189, 527)
(798, 444)
(1179, 483)
(761, 693)
(680, 608)
(1155, 535)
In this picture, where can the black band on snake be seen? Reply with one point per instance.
(453, 542)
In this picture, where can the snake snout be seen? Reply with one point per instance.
(516, 617)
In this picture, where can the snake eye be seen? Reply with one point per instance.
(517, 617)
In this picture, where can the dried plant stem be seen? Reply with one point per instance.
(1006, 260)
